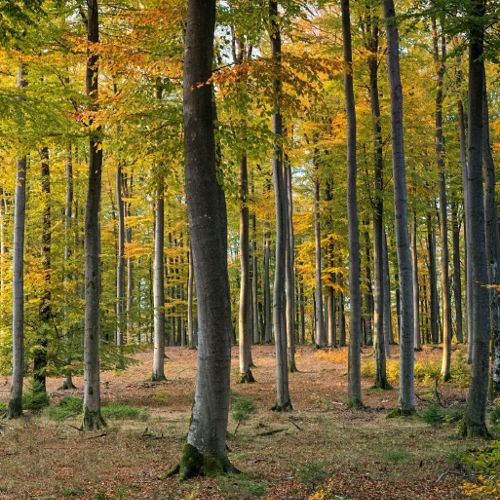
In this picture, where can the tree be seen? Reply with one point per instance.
(354, 366)
(205, 450)
(92, 418)
(406, 403)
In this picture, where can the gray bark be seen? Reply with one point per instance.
(255, 283)
(416, 318)
(190, 300)
(406, 402)
(120, 267)
(354, 397)
(431, 247)
(320, 329)
(92, 418)
(208, 231)
(457, 275)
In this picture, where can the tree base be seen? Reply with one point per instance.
(445, 378)
(355, 403)
(383, 385)
(470, 429)
(157, 378)
(15, 409)
(292, 368)
(67, 385)
(92, 420)
(246, 378)
(193, 463)
(398, 413)
(281, 409)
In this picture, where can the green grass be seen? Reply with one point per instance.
(117, 411)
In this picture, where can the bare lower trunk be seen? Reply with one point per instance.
(416, 300)
(267, 288)
(255, 283)
(433, 281)
(120, 268)
(457, 275)
(190, 301)
(320, 335)
(159, 289)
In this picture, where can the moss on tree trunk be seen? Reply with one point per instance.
(91, 420)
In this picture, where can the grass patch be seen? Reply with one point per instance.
(3, 408)
(241, 486)
(396, 456)
(117, 411)
(67, 407)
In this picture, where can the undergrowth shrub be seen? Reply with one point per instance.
(117, 411)
(67, 407)
(486, 463)
(3, 408)
(311, 474)
(437, 415)
(396, 456)
(242, 407)
(34, 397)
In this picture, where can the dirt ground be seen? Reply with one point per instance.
(361, 455)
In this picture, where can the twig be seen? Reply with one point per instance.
(293, 423)
(274, 431)
(449, 472)
(75, 427)
(99, 436)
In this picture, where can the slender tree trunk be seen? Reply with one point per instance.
(342, 336)
(255, 283)
(354, 363)
(406, 403)
(159, 288)
(92, 418)
(205, 451)
(387, 313)
(320, 330)
(267, 287)
(120, 269)
(245, 312)
(15, 409)
(302, 315)
(416, 300)
(44, 313)
(445, 260)
(433, 281)
(457, 275)
(290, 282)
(130, 267)
(368, 316)
(474, 423)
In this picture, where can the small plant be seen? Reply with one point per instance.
(311, 474)
(242, 407)
(67, 407)
(117, 411)
(495, 416)
(242, 487)
(161, 397)
(436, 415)
(3, 408)
(72, 493)
(460, 370)
(397, 457)
(34, 397)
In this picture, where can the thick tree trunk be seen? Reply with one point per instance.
(406, 403)
(190, 300)
(15, 409)
(492, 248)
(354, 397)
(159, 288)
(205, 451)
(92, 418)
(279, 311)
(245, 312)
(474, 423)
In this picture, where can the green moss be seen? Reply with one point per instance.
(398, 412)
(354, 403)
(382, 384)
(286, 407)
(470, 429)
(15, 409)
(91, 420)
(246, 378)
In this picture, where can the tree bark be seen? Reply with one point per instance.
(120, 267)
(159, 288)
(406, 403)
(474, 423)
(205, 451)
(320, 329)
(431, 247)
(92, 418)
(457, 275)
(416, 318)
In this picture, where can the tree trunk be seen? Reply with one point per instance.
(289, 279)
(205, 451)
(368, 315)
(279, 313)
(354, 363)
(474, 423)
(130, 266)
(416, 318)
(457, 275)
(445, 260)
(267, 287)
(492, 248)
(406, 403)
(342, 335)
(159, 288)
(120, 268)
(44, 313)
(190, 300)
(320, 330)
(245, 312)
(255, 283)
(92, 418)
(433, 281)
(15, 409)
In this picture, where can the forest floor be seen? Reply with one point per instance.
(321, 450)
